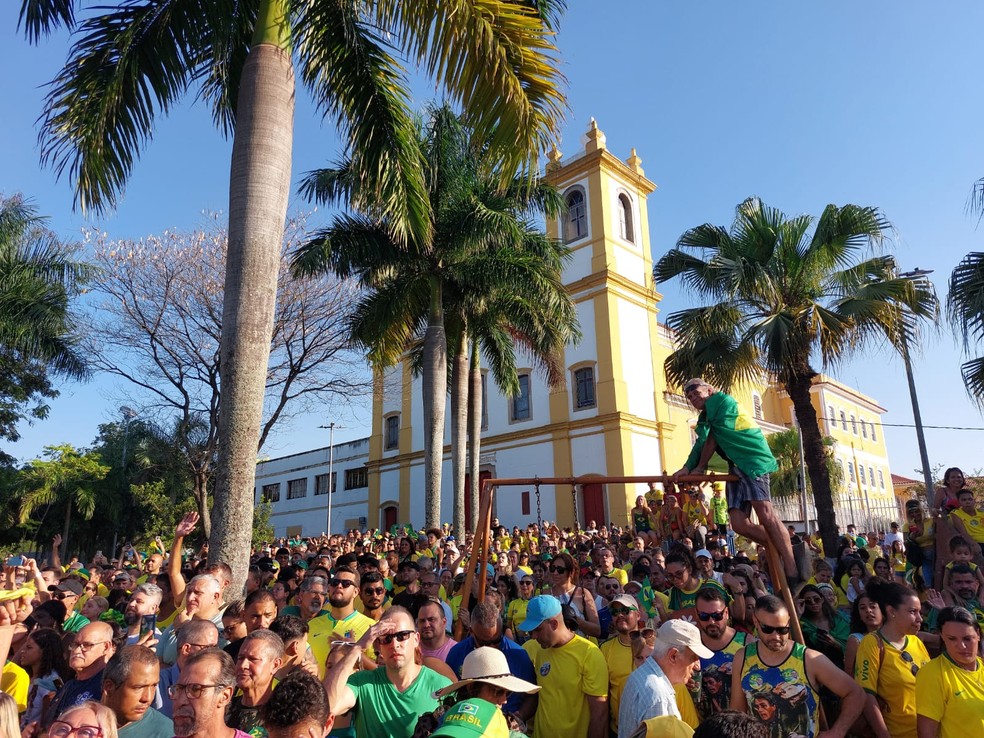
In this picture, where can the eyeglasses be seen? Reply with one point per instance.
(85, 647)
(193, 691)
(907, 658)
(717, 617)
(59, 729)
(617, 611)
(400, 636)
(770, 629)
(646, 633)
(374, 591)
(497, 692)
(343, 583)
(526, 583)
(557, 569)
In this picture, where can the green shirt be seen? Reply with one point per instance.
(380, 710)
(739, 439)
(75, 623)
(719, 508)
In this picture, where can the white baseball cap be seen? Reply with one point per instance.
(681, 634)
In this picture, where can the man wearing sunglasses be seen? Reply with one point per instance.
(649, 691)
(342, 621)
(387, 700)
(68, 591)
(624, 610)
(778, 680)
(716, 633)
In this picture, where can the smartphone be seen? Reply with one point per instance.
(148, 624)
(15, 561)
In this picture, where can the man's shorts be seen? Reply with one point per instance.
(746, 490)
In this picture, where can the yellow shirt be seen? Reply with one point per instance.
(685, 704)
(323, 629)
(566, 674)
(952, 696)
(619, 660)
(888, 675)
(973, 523)
(620, 574)
(515, 614)
(16, 682)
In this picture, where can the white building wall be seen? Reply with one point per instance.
(637, 363)
(308, 515)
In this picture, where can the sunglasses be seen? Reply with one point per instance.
(343, 583)
(616, 611)
(647, 633)
(907, 658)
(557, 569)
(401, 636)
(717, 617)
(379, 591)
(781, 630)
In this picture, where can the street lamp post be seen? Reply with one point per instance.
(331, 461)
(916, 415)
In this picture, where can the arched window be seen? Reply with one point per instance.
(854, 426)
(576, 225)
(843, 420)
(831, 418)
(757, 406)
(871, 476)
(873, 436)
(864, 428)
(881, 479)
(625, 218)
(850, 474)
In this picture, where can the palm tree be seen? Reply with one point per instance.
(65, 477)
(38, 278)
(781, 297)
(484, 247)
(785, 481)
(965, 309)
(134, 60)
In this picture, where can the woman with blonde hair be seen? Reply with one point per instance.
(9, 726)
(86, 720)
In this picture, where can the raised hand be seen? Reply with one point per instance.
(187, 525)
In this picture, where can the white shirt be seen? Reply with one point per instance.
(890, 538)
(647, 694)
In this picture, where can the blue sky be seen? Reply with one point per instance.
(802, 104)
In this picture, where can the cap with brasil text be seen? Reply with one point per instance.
(473, 718)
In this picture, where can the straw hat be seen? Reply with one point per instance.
(489, 665)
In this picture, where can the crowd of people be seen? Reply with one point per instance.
(672, 626)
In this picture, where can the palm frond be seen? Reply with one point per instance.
(356, 80)
(125, 67)
(41, 17)
(965, 298)
(498, 61)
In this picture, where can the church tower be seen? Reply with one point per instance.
(622, 352)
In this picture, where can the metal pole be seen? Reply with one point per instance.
(331, 462)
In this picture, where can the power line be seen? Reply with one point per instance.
(833, 421)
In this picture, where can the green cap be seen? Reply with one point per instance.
(473, 718)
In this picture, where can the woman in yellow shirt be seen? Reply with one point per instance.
(950, 688)
(889, 659)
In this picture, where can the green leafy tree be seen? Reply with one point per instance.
(485, 254)
(67, 477)
(131, 61)
(965, 310)
(38, 279)
(785, 481)
(784, 294)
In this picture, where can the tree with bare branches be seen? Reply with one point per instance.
(157, 322)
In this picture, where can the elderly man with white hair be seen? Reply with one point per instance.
(649, 692)
(203, 601)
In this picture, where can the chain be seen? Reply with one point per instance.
(577, 520)
(539, 516)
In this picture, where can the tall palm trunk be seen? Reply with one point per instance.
(259, 186)
(434, 387)
(798, 388)
(200, 493)
(459, 430)
(474, 432)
